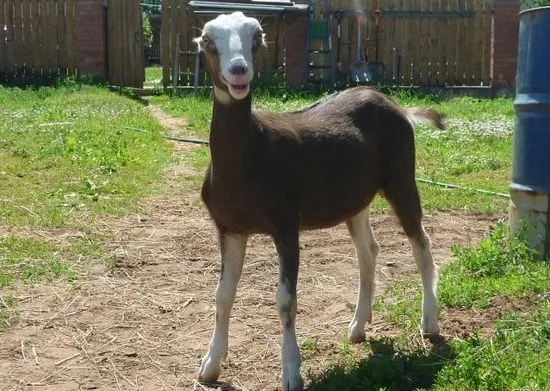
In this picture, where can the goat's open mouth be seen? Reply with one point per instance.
(237, 90)
(239, 87)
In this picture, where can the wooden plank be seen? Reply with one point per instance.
(38, 58)
(459, 51)
(113, 41)
(486, 32)
(128, 32)
(124, 53)
(425, 58)
(346, 30)
(26, 36)
(390, 57)
(408, 52)
(474, 48)
(10, 39)
(45, 40)
(174, 33)
(2, 37)
(451, 49)
(62, 38)
(434, 36)
(131, 50)
(19, 43)
(399, 45)
(32, 21)
(165, 41)
(70, 31)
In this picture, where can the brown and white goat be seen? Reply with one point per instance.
(279, 173)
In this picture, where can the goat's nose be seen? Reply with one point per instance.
(238, 69)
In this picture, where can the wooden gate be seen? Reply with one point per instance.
(125, 45)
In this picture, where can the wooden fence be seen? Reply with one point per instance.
(36, 38)
(416, 42)
(42, 40)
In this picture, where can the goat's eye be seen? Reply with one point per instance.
(205, 40)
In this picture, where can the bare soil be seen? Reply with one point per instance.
(145, 323)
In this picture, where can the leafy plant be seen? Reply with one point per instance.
(147, 30)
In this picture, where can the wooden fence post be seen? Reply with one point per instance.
(295, 48)
(504, 43)
(90, 38)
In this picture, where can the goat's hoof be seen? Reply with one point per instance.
(295, 383)
(430, 328)
(210, 370)
(356, 333)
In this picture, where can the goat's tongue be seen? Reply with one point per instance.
(240, 87)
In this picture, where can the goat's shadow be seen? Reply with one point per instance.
(218, 386)
(388, 368)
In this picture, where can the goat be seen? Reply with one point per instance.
(279, 173)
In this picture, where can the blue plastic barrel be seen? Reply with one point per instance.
(530, 187)
(532, 134)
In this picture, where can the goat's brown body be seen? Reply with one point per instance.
(311, 168)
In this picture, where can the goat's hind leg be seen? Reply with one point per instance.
(233, 248)
(367, 250)
(406, 205)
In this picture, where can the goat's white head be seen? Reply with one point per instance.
(230, 42)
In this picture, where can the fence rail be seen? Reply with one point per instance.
(36, 38)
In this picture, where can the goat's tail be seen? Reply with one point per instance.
(420, 115)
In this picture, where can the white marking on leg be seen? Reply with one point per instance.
(233, 248)
(290, 352)
(422, 253)
(367, 250)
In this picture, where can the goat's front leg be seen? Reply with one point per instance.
(289, 259)
(233, 248)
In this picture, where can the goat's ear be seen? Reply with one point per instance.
(259, 40)
(199, 42)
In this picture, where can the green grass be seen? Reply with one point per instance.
(498, 267)
(514, 358)
(153, 76)
(474, 152)
(69, 155)
(31, 260)
(67, 152)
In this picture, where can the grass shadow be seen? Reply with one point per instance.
(387, 367)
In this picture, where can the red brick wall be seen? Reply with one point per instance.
(504, 42)
(295, 48)
(90, 38)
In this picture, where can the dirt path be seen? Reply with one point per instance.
(146, 324)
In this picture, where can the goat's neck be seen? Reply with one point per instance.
(230, 139)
